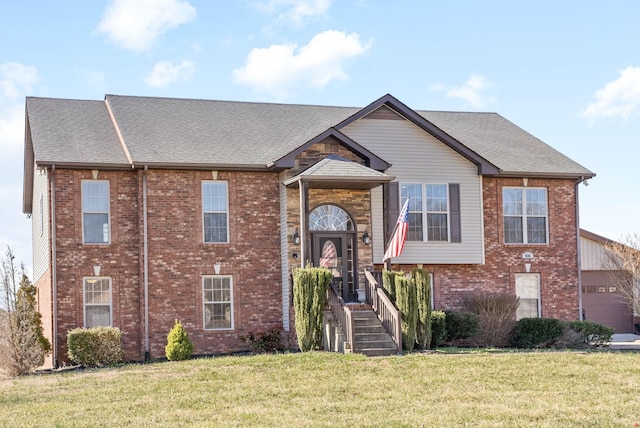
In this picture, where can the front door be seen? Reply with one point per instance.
(335, 251)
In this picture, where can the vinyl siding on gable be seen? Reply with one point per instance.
(417, 157)
(40, 224)
(593, 255)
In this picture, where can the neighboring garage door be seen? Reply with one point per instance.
(602, 304)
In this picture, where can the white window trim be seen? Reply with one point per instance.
(226, 212)
(84, 298)
(108, 212)
(524, 216)
(204, 302)
(539, 297)
(424, 212)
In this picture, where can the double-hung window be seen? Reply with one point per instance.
(95, 212)
(97, 302)
(215, 211)
(217, 293)
(428, 205)
(525, 215)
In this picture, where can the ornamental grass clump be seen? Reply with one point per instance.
(310, 287)
(179, 345)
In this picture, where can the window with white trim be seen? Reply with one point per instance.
(95, 212)
(525, 215)
(217, 297)
(428, 205)
(215, 211)
(528, 291)
(97, 302)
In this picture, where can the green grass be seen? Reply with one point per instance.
(474, 389)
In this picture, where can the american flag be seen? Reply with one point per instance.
(399, 234)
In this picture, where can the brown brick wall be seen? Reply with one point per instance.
(556, 262)
(177, 256)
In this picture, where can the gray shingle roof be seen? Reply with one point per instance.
(170, 131)
(73, 132)
(207, 133)
(504, 144)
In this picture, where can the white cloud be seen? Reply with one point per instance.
(16, 80)
(472, 92)
(296, 12)
(11, 132)
(279, 68)
(617, 99)
(165, 72)
(135, 25)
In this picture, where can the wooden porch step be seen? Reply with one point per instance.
(370, 336)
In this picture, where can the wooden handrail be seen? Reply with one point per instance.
(387, 313)
(341, 313)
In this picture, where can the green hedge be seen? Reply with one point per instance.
(438, 328)
(95, 346)
(310, 287)
(592, 333)
(407, 304)
(536, 332)
(461, 325)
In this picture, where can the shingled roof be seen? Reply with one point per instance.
(133, 132)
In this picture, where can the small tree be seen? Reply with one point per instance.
(179, 345)
(22, 342)
(623, 267)
(309, 300)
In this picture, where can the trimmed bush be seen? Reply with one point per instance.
(438, 328)
(461, 325)
(407, 304)
(592, 333)
(536, 332)
(423, 295)
(267, 341)
(309, 300)
(179, 345)
(389, 283)
(496, 312)
(96, 346)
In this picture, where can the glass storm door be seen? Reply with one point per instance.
(336, 253)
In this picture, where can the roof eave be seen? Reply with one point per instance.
(528, 174)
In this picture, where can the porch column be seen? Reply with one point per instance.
(305, 239)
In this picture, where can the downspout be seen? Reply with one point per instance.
(303, 232)
(145, 256)
(579, 252)
(54, 272)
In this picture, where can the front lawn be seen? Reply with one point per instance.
(541, 389)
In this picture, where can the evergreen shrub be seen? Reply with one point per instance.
(407, 304)
(310, 287)
(267, 341)
(438, 328)
(179, 345)
(423, 295)
(389, 283)
(96, 346)
(536, 332)
(461, 325)
(591, 333)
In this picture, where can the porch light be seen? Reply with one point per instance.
(366, 239)
(296, 237)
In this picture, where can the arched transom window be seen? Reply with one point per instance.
(329, 217)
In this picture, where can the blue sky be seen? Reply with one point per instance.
(568, 72)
